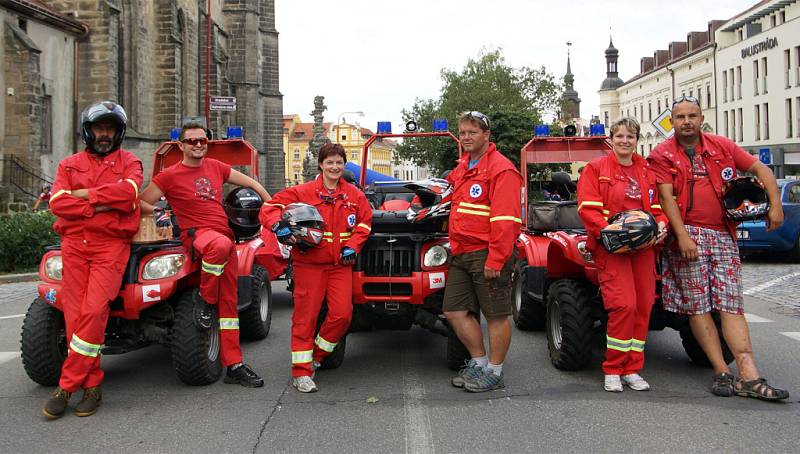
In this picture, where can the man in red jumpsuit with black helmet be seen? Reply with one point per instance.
(484, 225)
(323, 272)
(193, 188)
(95, 199)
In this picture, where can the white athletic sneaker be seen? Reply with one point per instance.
(635, 382)
(304, 384)
(613, 384)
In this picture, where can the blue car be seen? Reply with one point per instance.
(752, 236)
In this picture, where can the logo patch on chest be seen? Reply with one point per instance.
(726, 173)
(475, 190)
(351, 220)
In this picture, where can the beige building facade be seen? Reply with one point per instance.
(758, 66)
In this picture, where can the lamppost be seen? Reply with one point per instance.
(339, 122)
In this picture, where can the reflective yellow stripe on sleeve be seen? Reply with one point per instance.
(475, 205)
(655, 206)
(211, 268)
(57, 194)
(365, 227)
(590, 203)
(477, 213)
(505, 218)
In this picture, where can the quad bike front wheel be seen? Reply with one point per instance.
(43, 343)
(529, 315)
(256, 319)
(569, 325)
(195, 341)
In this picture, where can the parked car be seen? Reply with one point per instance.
(753, 237)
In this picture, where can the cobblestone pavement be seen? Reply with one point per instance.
(774, 282)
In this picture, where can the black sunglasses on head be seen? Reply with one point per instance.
(477, 116)
(690, 99)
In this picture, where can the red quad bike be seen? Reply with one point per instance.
(556, 286)
(399, 277)
(155, 304)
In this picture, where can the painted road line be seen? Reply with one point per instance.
(5, 317)
(753, 318)
(8, 356)
(792, 335)
(419, 439)
(761, 287)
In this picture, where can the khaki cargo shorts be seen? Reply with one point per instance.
(468, 290)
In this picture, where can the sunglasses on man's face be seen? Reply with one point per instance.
(196, 141)
(477, 116)
(690, 99)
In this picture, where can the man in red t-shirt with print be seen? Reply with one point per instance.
(702, 269)
(193, 187)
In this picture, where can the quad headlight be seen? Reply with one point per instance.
(436, 255)
(163, 266)
(585, 252)
(53, 267)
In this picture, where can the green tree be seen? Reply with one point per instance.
(513, 98)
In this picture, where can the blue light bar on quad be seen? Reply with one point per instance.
(440, 125)
(175, 134)
(235, 132)
(384, 127)
(541, 130)
(597, 130)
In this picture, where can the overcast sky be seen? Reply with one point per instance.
(378, 56)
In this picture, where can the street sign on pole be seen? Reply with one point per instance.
(223, 103)
(765, 156)
(663, 124)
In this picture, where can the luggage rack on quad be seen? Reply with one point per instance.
(554, 216)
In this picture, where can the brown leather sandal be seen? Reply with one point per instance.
(723, 385)
(760, 389)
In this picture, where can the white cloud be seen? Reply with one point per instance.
(379, 56)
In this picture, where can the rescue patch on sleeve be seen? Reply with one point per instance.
(351, 220)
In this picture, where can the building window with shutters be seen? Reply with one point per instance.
(765, 109)
(789, 120)
(739, 121)
(708, 95)
(725, 123)
(757, 118)
(734, 126)
(738, 82)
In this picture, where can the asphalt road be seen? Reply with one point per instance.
(392, 394)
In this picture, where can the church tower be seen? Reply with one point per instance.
(570, 102)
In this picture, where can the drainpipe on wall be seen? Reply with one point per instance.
(75, 111)
(714, 84)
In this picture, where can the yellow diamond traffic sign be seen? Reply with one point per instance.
(663, 123)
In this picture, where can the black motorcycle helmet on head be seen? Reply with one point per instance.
(242, 206)
(745, 199)
(101, 111)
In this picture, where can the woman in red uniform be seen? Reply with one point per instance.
(323, 272)
(617, 182)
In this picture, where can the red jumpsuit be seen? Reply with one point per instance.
(318, 273)
(486, 207)
(95, 246)
(195, 193)
(605, 189)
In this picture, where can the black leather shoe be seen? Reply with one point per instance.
(244, 376)
(90, 402)
(56, 404)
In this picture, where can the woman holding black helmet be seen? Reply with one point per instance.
(327, 221)
(618, 203)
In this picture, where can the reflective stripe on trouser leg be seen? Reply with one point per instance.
(644, 281)
(228, 323)
(619, 300)
(230, 349)
(98, 269)
(339, 295)
(211, 268)
(324, 345)
(302, 357)
(310, 283)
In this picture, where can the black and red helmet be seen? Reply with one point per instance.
(628, 231)
(306, 224)
(744, 199)
(101, 111)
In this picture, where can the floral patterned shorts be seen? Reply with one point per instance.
(713, 282)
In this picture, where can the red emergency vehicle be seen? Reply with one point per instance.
(155, 304)
(555, 282)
